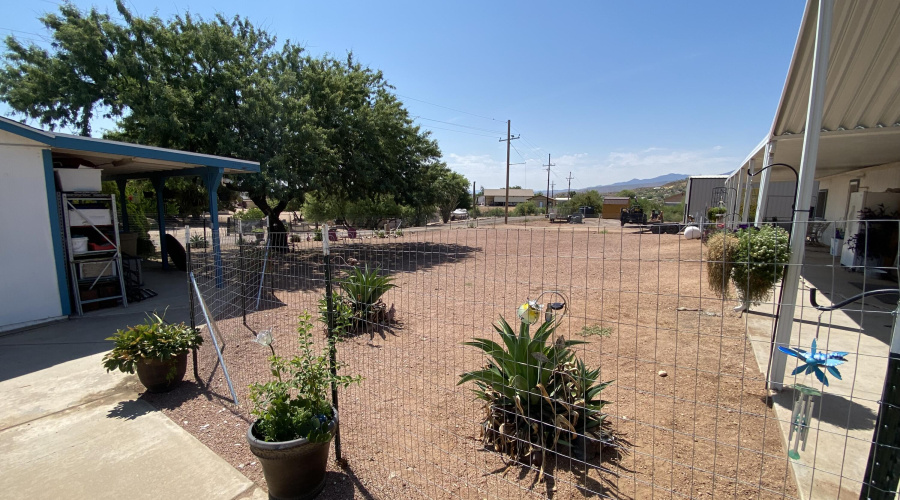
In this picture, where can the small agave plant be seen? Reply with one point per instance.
(538, 394)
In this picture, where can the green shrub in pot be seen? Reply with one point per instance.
(155, 349)
(295, 421)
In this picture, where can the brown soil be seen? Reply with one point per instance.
(703, 430)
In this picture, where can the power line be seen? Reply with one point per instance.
(457, 125)
(448, 107)
(460, 131)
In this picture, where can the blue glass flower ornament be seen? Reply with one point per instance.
(813, 361)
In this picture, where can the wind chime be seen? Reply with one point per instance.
(817, 362)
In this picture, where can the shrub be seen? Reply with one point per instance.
(251, 214)
(712, 212)
(295, 238)
(592, 330)
(295, 404)
(153, 339)
(495, 212)
(759, 261)
(527, 208)
(538, 394)
(317, 236)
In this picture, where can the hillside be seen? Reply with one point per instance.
(635, 184)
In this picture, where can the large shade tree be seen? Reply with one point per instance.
(225, 87)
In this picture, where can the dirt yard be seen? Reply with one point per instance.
(689, 407)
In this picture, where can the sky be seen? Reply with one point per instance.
(611, 90)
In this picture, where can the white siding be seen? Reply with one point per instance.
(29, 289)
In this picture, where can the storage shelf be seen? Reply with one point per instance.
(101, 234)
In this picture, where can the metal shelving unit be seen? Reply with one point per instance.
(78, 222)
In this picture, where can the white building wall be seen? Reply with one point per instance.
(29, 290)
(876, 179)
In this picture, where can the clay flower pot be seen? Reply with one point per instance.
(294, 470)
(162, 376)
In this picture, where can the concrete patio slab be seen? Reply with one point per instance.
(69, 429)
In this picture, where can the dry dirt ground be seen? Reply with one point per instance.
(409, 431)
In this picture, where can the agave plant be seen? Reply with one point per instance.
(538, 394)
(362, 290)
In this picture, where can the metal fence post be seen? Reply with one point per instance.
(187, 251)
(882, 473)
(242, 265)
(332, 346)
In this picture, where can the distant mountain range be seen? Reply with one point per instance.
(636, 183)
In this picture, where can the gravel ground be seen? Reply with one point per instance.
(702, 429)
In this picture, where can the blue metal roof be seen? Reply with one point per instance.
(74, 143)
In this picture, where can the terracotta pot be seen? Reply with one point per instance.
(162, 376)
(294, 470)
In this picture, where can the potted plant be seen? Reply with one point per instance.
(295, 421)
(156, 349)
(753, 259)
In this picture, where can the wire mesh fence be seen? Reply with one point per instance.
(690, 413)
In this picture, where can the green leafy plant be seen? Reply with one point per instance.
(759, 261)
(251, 214)
(317, 236)
(398, 233)
(496, 212)
(295, 404)
(198, 241)
(713, 212)
(295, 238)
(537, 393)
(362, 290)
(153, 339)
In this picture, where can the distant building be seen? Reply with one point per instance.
(542, 201)
(495, 197)
(675, 199)
(613, 205)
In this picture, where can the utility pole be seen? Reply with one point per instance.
(552, 187)
(508, 140)
(474, 200)
(569, 193)
(547, 192)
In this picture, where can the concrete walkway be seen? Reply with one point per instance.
(70, 430)
(833, 463)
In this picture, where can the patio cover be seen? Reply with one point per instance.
(121, 161)
(861, 114)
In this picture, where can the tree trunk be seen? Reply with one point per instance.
(278, 237)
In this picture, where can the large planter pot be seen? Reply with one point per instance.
(294, 470)
(157, 375)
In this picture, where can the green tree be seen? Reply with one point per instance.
(222, 86)
(627, 193)
(452, 192)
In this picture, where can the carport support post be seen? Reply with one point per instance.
(159, 184)
(212, 179)
(785, 320)
(123, 198)
(763, 197)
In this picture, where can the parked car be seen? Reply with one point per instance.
(459, 214)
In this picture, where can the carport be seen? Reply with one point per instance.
(31, 155)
